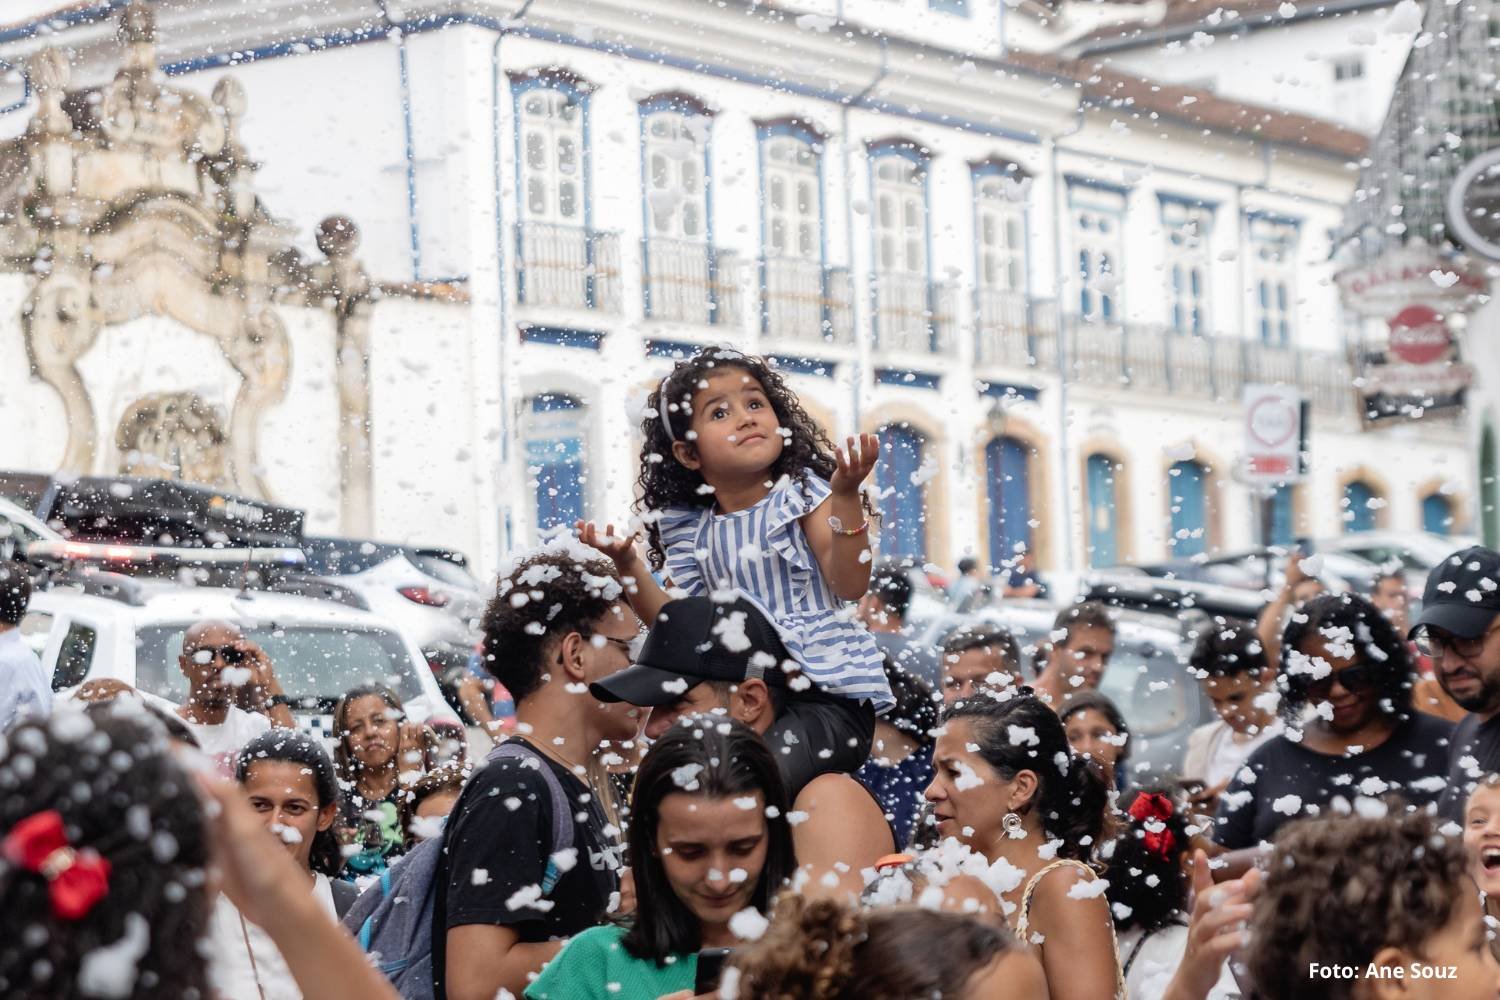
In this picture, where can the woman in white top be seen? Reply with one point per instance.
(1148, 894)
(290, 783)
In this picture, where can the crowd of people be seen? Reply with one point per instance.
(735, 771)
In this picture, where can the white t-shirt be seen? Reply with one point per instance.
(222, 742)
(235, 939)
(1156, 961)
(1216, 752)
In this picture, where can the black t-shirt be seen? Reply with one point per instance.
(496, 846)
(1475, 752)
(1291, 781)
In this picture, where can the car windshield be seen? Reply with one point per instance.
(446, 570)
(311, 661)
(1151, 687)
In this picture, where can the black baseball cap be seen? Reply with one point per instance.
(697, 639)
(1463, 593)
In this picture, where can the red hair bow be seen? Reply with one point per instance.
(76, 880)
(1149, 807)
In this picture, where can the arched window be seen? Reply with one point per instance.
(1361, 503)
(1187, 484)
(792, 194)
(1102, 511)
(1000, 226)
(550, 117)
(900, 184)
(1437, 514)
(901, 477)
(555, 434)
(674, 137)
(1008, 489)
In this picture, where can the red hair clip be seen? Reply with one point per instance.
(1149, 807)
(76, 880)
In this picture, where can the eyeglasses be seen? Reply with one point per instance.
(205, 655)
(632, 647)
(1435, 645)
(1356, 678)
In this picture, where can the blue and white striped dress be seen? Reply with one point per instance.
(763, 552)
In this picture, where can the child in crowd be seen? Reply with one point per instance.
(740, 490)
(1097, 730)
(1148, 894)
(1231, 668)
(1373, 895)
(1482, 840)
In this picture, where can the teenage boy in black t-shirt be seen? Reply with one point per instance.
(505, 900)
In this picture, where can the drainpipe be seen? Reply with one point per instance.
(408, 131)
(1261, 505)
(509, 25)
(1061, 343)
(857, 381)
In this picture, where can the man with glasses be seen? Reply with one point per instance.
(519, 873)
(222, 667)
(1457, 630)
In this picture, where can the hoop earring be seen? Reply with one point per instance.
(1012, 826)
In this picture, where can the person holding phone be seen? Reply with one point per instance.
(710, 840)
(217, 660)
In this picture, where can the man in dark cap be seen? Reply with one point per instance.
(1458, 630)
(723, 657)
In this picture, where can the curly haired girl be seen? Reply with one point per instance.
(825, 950)
(740, 490)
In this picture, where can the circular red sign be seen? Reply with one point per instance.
(1419, 336)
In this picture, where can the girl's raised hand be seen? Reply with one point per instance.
(854, 465)
(619, 548)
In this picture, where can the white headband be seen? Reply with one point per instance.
(661, 405)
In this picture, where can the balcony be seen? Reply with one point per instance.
(567, 267)
(1159, 360)
(690, 282)
(1002, 328)
(914, 315)
(804, 303)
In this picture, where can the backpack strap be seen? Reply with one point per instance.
(562, 809)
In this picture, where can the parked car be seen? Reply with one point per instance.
(19, 528)
(1147, 679)
(429, 592)
(109, 625)
(140, 510)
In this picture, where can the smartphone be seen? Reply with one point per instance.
(710, 969)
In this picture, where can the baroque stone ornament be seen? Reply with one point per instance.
(138, 199)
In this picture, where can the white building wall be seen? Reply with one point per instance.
(449, 381)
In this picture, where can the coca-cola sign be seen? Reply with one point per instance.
(1419, 335)
(1408, 275)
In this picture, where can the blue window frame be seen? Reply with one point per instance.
(1281, 520)
(903, 493)
(1360, 500)
(959, 7)
(554, 434)
(1187, 483)
(1102, 511)
(1008, 489)
(1437, 514)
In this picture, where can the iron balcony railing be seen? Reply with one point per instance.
(567, 267)
(802, 302)
(1153, 358)
(690, 282)
(914, 315)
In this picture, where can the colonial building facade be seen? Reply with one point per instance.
(474, 235)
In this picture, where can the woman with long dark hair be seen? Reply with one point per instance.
(290, 783)
(374, 747)
(1009, 788)
(1345, 681)
(709, 839)
(113, 850)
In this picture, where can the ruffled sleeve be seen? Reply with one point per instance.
(679, 536)
(791, 500)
